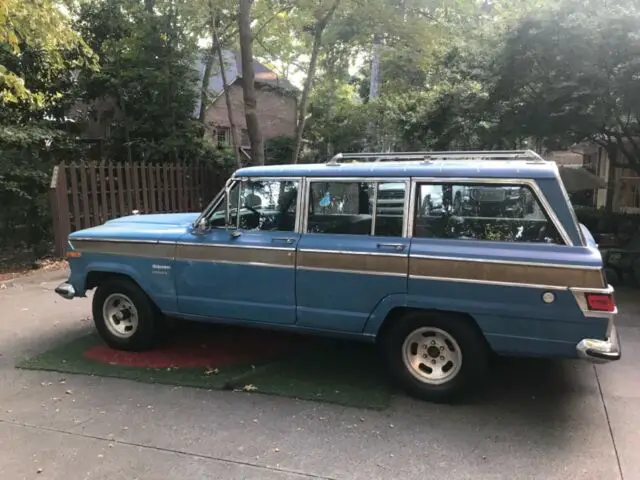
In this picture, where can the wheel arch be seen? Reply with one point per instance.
(397, 313)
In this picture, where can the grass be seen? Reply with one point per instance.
(322, 370)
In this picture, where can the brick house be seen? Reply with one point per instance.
(277, 102)
(277, 106)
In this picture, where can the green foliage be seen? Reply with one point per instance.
(278, 150)
(146, 88)
(599, 221)
(37, 33)
(571, 73)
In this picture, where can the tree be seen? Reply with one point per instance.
(248, 82)
(145, 87)
(571, 74)
(27, 29)
(321, 16)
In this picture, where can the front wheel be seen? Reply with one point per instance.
(124, 316)
(436, 357)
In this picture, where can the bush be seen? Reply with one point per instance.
(599, 221)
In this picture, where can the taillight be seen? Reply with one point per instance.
(601, 302)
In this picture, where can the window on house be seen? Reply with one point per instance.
(347, 208)
(494, 212)
(223, 136)
(628, 191)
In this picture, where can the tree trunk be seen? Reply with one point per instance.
(611, 181)
(248, 83)
(235, 135)
(204, 92)
(319, 28)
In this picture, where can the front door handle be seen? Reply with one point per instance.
(286, 240)
(393, 246)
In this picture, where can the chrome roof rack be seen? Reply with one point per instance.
(426, 157)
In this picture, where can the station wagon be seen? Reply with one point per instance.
(442, 258)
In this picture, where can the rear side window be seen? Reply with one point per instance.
(356, 208)
(493, 212)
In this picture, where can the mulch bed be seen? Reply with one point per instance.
(17, 264)
(229, 358)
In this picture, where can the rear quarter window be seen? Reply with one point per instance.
(490, 212)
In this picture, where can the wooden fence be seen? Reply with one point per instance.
(86, 195)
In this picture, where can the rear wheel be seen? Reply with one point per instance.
(436, 357)
(124, 316)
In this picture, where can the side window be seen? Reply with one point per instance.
(497, 212)
(340, 207)
(390, 201)
(349, 208)
(268, 205)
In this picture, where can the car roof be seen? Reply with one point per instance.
(437, 169)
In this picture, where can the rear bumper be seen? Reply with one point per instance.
(600, 351)
(66, 290)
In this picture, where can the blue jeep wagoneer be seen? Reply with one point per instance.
(441, 257)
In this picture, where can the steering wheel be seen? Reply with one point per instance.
(252, 210)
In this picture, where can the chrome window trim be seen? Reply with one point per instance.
(215, 201)
(509, 262)
(408, 214)
(372, 180)
(374, 206)
(535, 188)
(489, 282)
(572, 211)
(229, 185)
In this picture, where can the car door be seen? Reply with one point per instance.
(243, 266)
(353, 252)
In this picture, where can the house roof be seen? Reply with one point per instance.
(233, 70)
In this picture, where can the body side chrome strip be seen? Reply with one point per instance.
(488, 282)
(505, 262)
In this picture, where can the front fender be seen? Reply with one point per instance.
(157, 284)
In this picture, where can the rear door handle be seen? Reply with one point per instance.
(393, 246)
(286, 240)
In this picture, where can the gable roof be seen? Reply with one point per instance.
(233, 70)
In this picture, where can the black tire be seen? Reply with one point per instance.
(150, 323)
(472, 345)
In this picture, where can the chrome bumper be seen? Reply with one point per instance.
(600, 351)
(66, 290)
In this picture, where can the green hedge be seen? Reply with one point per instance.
(598, 221)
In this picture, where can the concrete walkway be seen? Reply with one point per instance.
(537, 419)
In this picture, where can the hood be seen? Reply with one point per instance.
(173, 219)
(165, 227)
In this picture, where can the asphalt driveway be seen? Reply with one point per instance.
(537, 419)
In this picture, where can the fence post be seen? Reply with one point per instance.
(59, 209)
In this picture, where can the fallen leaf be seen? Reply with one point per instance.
(68, 392)
(276, 450)
(39, 470)
(249, 388)
(210, 371)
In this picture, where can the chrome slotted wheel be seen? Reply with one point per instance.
(120, 315)
(431, 355)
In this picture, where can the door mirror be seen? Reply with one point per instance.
(201, 227)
